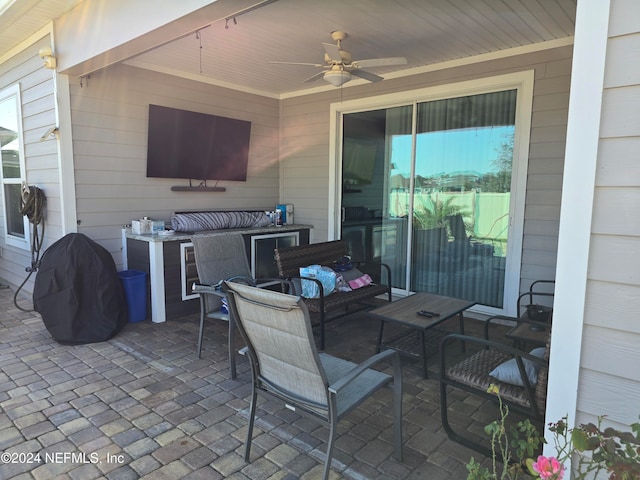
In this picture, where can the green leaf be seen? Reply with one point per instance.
(529, 463)
(580, 440)
(610, 445)
(593, 443)
(627, 437)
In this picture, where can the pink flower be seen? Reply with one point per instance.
(549, 468)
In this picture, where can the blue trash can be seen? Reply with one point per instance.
(135, 291)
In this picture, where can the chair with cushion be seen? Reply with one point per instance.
(218, 258)
(521, 376)
(286, 365)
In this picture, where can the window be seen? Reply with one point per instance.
(13, 168)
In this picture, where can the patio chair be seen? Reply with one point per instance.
(533, 317)
(285, 364)
(520, 375)
(218, 258)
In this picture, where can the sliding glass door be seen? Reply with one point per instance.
(427, 189)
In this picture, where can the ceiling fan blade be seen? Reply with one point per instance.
(315, 77)
(372, 77)
(332, 51)
(299, 63)
(379, 62)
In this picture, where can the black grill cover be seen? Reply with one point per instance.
(78, 292)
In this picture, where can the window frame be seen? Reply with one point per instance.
(13, 240)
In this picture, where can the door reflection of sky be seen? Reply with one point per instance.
(451, 151)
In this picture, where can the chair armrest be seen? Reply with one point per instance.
(202, 288)
(364, 366)
(289, 280)
(216, 289)
(384, 266)
(487, 323)
(541, 325)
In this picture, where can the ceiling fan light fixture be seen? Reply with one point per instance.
(337, 78)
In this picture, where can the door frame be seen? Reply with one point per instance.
(523, 82)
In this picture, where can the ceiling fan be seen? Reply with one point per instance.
(338, 66)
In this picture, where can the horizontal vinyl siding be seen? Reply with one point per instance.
(109, 117)
(305, 148)
(41, 157)
(546, 165)
(609, 379)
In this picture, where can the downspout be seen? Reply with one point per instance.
(66, 169)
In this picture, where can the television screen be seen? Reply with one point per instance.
(198, 146)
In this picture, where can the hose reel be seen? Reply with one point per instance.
(32, 205)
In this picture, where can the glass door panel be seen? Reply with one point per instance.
(373, 223)
(461, 196)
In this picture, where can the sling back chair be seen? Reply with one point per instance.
(285, 364)
(218, 258)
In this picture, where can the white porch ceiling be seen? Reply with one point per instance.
(426, 32)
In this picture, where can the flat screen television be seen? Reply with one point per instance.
(198, 146)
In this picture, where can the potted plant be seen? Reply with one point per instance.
(436, 215)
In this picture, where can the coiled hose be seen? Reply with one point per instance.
(33, 202)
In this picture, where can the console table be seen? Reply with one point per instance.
(170, 264)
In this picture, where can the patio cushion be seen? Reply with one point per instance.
(508, 371)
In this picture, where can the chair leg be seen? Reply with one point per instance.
(379, 347)
(322, 329)
(232, 353)
(449, 430)
(201, 333)
(332, 436)
(397, 409)
(423, 353)
(252, 416)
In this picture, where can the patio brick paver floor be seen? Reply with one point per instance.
(142, 405)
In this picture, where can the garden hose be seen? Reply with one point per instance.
(32, 206)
